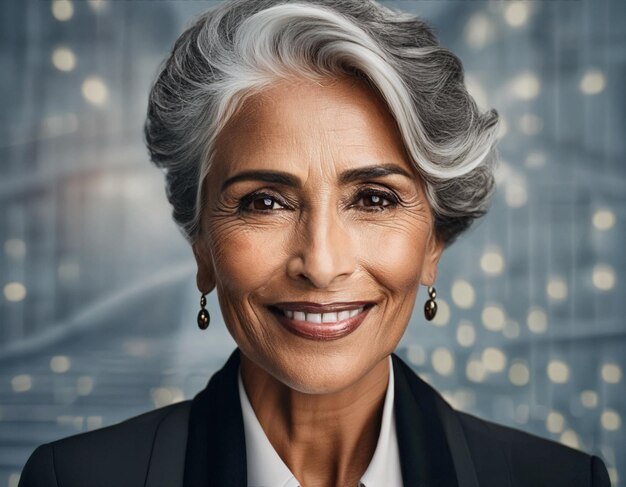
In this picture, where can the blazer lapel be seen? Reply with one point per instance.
(432, 445)
(216, 448)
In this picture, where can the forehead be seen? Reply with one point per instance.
(303, 124)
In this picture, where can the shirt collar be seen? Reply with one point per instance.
(265, 468)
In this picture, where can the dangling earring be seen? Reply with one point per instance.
(203, 316)
(430, 308)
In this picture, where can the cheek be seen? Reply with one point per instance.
(246, 259)
(395, 256)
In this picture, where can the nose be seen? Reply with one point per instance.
(323, 251)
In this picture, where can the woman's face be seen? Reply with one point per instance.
(324, 231)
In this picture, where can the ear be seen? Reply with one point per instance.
(434, 249)
(205, 277)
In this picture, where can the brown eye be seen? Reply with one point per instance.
(376, 200)
(259, 202)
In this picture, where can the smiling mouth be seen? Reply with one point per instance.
(321, 326)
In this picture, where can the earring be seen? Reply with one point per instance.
(203, 316)
(430, 308)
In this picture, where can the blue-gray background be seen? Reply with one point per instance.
(97, 292)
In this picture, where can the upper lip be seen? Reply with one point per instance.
(310, 307)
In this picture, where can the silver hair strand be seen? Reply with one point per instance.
(241, 47)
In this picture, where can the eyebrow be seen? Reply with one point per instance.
(288, 179)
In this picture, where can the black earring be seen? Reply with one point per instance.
(203, 316)
(430, 308)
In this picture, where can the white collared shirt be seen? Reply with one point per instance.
(267, 469)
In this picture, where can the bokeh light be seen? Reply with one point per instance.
(592, 82)
(558, 371)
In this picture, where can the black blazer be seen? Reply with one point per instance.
(201, 442)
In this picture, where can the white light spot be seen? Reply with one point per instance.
(14, 479)
(59, 364)
(603, 277)
(477, 92)
(56, 125)
(136, 348)
(463, 294)
(537, 320)
(589, 399)
(475, 371)
(613, 475)
(460, 399)
(63, 59)
(522, 412)
(556, 288)
(15, 248)
(416, 355)
(530, 124)
(511, 329)
(84, 385)
(570, 438)
(525, 86)
(535, 159)
(21, 383)
(97, 5)
(163, 396)
(592, 82)
(519, 375)
(558, 371)
(479, 31)
(611, 373)
(503, 128)
(465, 334)
(95, 91)
(516, 14)
(77, 422)
(493, 359)
(493, 317)
(610, 420)
(442, 361)
(603, 219)
(94, 422)
(492, 262)
(443, 313)
(62, 10)
(65, 419)
(14, 291)
(516, 192)
(503, 172)
(555, 422)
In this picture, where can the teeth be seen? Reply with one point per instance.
(322, 317)
(329, 317)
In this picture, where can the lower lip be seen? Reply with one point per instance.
(321, 331)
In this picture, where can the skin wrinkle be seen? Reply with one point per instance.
(319, 403)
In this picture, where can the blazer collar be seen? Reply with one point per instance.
(431, 441)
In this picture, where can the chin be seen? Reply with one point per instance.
(320, 373)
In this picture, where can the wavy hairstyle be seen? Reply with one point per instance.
(240, 47)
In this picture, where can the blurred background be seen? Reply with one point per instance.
(97, 287)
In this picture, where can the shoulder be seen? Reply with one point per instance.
(527, 458)
(120, 452)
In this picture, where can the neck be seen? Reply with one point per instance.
(324, 439)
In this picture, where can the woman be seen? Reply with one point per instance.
(320, 156)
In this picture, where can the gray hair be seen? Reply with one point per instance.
(240, 47)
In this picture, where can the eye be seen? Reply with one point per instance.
(259, 202)
(375, 200)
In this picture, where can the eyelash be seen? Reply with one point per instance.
(393, 201)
